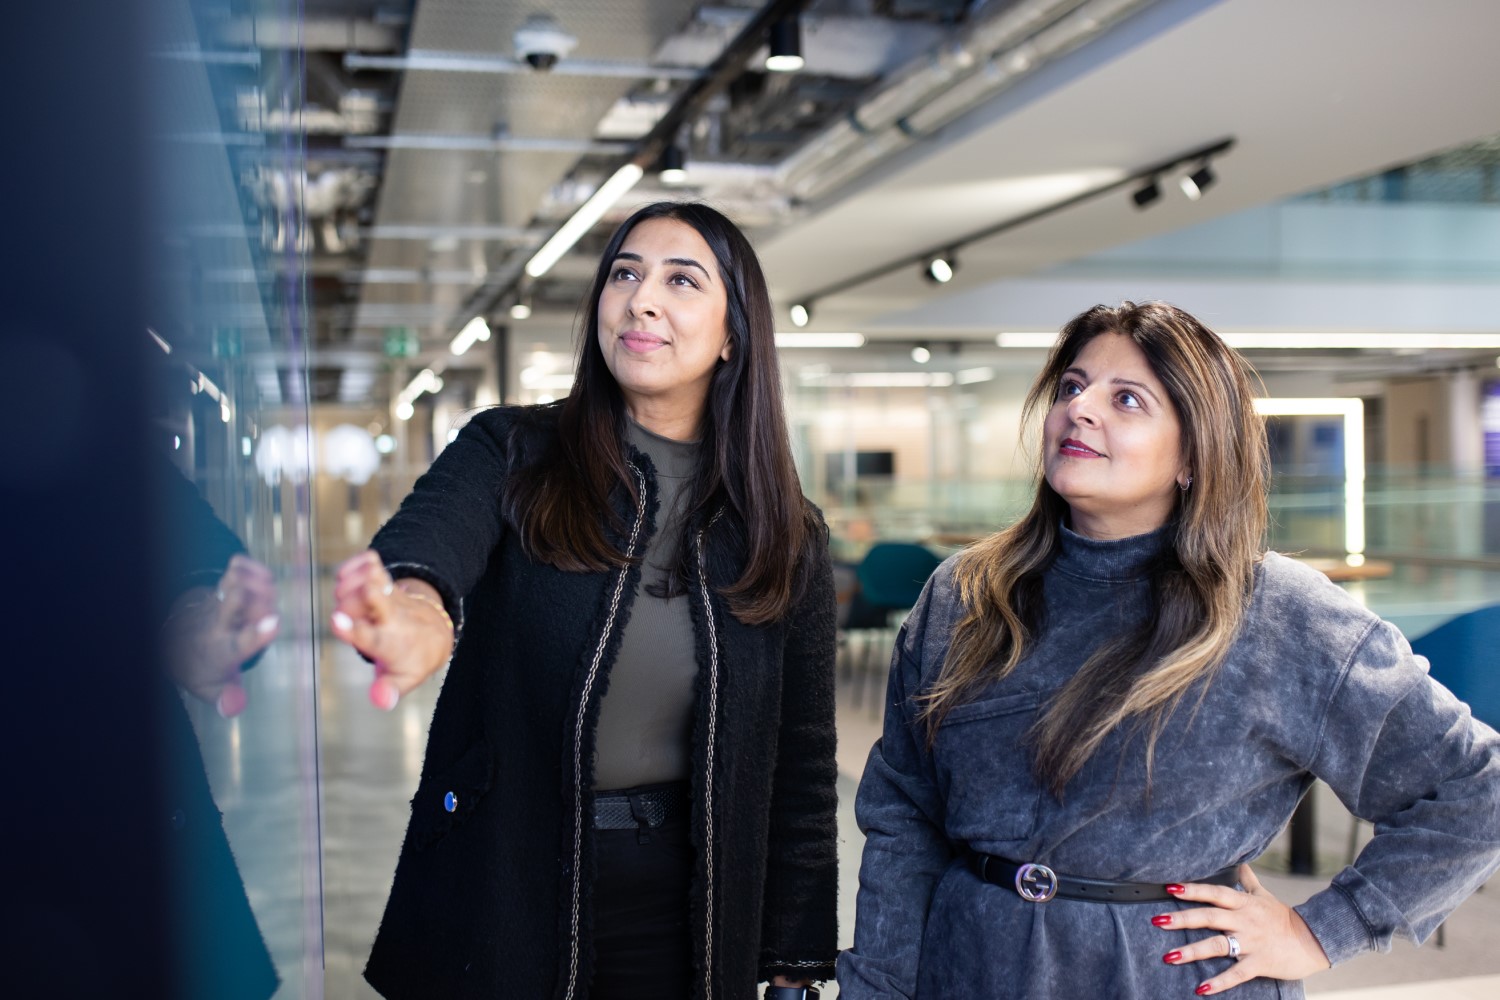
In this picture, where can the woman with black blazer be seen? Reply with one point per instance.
(629, 782)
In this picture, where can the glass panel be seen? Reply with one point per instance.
(230, 416)
(945, 466)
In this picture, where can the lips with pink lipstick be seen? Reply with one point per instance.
(641, 342)
(1077, 449)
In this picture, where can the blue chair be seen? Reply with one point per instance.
(1461, 655)
(888, 580)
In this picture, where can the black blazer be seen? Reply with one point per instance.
(492, 889)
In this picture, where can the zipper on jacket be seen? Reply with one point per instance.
(708, 782)
(583, 706)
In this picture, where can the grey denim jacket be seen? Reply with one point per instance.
(1315, 686)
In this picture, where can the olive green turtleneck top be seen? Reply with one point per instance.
(645, 721)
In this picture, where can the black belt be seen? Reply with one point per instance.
(646, 807)
(1038, 883)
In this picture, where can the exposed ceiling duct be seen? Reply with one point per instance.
(820, 138)
(986, 57)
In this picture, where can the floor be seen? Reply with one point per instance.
(367, 763)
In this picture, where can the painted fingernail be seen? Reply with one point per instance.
(1162, 920)
(342, 622)
(231, 701)
(1172, 957)
(383, 695)
(1175, 889)
(1204, 989)
(267, 624)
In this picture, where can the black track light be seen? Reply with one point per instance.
(785, 55)
(1146, 193)
(940, 269)
(1197, 182)
(670, 168)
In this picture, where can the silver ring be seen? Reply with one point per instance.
(389, 589)
(1234, 946)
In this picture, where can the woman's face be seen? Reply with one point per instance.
(1112, 444)
(662, 324)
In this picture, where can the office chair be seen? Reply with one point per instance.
(1460, 653)
(888, 580)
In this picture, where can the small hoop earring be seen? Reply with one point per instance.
(1184, 487)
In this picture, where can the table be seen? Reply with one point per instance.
(1340, 571)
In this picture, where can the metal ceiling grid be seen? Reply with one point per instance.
(566, 107)
(438, 187)
(614, 30)
(424, 186)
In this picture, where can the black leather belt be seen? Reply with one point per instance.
(1038, 883)
(646, 807)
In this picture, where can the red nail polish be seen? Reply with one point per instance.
(1175, 889)
(1171, 956)
(1162, 920)
(1205, 988)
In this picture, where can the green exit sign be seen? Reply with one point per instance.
(400, 342)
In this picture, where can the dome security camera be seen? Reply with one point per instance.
(541, 41)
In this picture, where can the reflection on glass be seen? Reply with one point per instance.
(221, 617)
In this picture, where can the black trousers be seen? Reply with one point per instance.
(643, 949)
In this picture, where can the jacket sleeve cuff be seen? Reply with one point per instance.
(452, 600)
(1337, 924)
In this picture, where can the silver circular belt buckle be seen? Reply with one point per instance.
(1036, 883)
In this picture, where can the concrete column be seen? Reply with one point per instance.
(1466, 435)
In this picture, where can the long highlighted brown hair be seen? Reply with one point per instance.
(561, 505)
(1200, 587)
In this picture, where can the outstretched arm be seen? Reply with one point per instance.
(400, 604)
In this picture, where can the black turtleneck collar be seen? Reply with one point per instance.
(1117, 560)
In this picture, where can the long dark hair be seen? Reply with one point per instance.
(561, 505)
(1199, 591)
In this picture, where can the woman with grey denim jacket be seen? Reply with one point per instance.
(1098, 715)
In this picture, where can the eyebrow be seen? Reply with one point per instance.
(675, 261)
(1143, 387)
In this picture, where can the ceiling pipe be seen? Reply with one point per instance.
(989, 56)
(468, 62)
(418, 231)
(489, 144)
(724, 70)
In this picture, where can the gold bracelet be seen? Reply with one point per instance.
(430, 603)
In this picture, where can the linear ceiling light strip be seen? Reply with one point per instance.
(582, 220)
